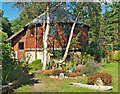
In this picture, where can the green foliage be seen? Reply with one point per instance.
(73, 70)
(86, 56)
(110, 24)
(116, 56)
(105, 77)
(6, 26)
(17, 24)
(95, 48)
(57, 54)
(75, 40)
(91, 67)
(103, 62)
(36, 65)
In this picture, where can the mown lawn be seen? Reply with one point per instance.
(55, 85)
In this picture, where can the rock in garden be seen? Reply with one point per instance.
(98, 82)
(91, 86)
(66, 77)
(56, 77)
(76, 78)
(52, 76)
(83, 75)
(61, 76)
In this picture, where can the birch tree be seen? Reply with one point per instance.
(70, 38)
(45, 36)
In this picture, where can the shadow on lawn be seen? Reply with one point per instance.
(24, 79)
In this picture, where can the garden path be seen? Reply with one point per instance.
(37, 87)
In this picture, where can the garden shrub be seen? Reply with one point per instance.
(94, 48)
(72, 74)
(86, 56)
(103, 62)
(48, 72)
(79, 68)
(116, 56)
(105, 77)
(78, 73)
(57, 54)
(91, 67)
(56, 72)
(67, 74)
(37, 65)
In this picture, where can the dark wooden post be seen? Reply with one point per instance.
(112, 52)
(35, 42)
(108, 55)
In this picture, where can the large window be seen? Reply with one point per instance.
(32, 32)
(21, 45)
(52, 30)
(67, 29)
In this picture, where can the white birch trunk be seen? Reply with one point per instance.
(45, 55)
(70, 38)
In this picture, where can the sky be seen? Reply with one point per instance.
(9, 12)
(12, 13)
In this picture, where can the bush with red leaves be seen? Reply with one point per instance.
(78, 73)
(105, 77)
(48, 72)
(72, 74)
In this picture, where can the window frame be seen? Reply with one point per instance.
(21, 46)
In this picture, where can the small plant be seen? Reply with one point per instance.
(105, 77)
(78, 73)
(40, 71)
(56, 72)
(85, 57)
(103, 62)
(67, 74)
(48, 72)
(116, 56)
(79, 68)
(91, 67)
(57, 54)
(36, 65)
(73, 74)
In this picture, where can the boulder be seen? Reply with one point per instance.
(98, 82)
(61, 76)
(91, 86)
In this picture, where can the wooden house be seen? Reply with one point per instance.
(26, 40)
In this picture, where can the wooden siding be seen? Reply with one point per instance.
(54, 41)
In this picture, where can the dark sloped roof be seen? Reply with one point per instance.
(59, 15)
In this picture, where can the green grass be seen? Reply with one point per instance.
(55, 85)
(25, 88)
(112, 68)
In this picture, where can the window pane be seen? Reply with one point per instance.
(67, 29)
(21, 45)
(52, 30)
(32, 32)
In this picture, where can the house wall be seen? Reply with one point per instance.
(57, 41)
(54, 41)
(15, 44)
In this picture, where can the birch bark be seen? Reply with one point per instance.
(45, 55)
(70, 38)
